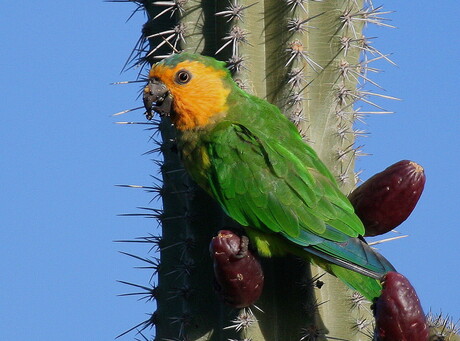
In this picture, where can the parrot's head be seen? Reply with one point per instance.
(191, 89)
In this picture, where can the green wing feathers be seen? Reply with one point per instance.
(265, 177)
(276, 189)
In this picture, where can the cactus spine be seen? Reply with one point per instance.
(311, 59)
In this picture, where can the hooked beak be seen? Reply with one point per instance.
(157, 98)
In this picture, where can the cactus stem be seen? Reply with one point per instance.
(186, 246)
(184, 268)
(311, 308)
(185, 216)
(183, 292)
(184, 320)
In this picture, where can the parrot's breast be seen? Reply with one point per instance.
(194, 156)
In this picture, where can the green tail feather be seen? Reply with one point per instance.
(367, 286)
(355, 263)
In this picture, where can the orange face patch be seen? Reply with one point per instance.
(200, 99)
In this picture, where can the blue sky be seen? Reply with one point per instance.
(62, 155)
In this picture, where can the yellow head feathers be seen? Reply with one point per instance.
(199, 90)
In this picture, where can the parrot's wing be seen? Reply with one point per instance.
(262, 184)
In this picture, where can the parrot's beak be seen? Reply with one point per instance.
(157, 98)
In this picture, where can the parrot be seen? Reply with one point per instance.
(252, 160)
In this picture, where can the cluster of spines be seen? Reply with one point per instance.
(177, 271)
(443, 327)
(352, 77)
(237, 35)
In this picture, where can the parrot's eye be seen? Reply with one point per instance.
(183, 77)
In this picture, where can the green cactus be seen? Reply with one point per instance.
(310, 58)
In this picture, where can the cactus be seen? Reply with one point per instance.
(310, 58)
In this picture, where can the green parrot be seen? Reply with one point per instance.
(250, 158)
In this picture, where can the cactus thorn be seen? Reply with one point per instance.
(362, 325)
(293, 4)
(387, 240)
(236, 36)
(236, 64)
(243, 321)
(234, 11)
(185, 292)
(172, 6)
(150, 322)
(312, 307)
(148, 294)
(296, 51)
(185, 267)
(314, 333)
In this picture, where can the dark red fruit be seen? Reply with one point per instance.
(237, 271)
(388, 198)
(398, 313)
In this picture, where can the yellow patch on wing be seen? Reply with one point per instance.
(267, 244)
(198, 102)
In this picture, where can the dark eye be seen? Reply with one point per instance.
(183, 77)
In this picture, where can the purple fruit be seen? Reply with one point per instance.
(388, 198)
(398, 313)
(237, 271)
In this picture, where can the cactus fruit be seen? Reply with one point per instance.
(388, 198)
(237, 271)
(398, 313)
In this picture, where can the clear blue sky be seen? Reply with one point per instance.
(61, 154)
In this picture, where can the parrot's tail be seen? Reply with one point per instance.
(369, 287)
(354, 262)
